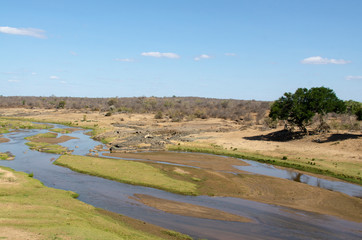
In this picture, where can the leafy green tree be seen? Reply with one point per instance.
(61, 104)
(354, 108)
(299, 108)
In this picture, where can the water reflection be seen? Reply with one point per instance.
(270, 170)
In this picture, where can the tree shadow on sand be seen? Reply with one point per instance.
(339, 137)
(278, 136)
(285, 136)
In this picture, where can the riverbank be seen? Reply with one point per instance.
(337, 153)
(29, 210)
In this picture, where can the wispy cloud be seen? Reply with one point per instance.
(124, 59)
(230, 54)
(202, 56)
(320, 60)
(63, 82)
(160, 55)
(73, 53)
(34, 73)
(54, 77)
(32, 32)
(354, 78)
(13, 80)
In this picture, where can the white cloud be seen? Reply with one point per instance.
(54, 77)
(13, 80)
(124, 59)
(320, 60)
(159, 55)
(63, 82)
(32, 32)
(230, 54)
(202, 56)
(354, 78)
(73, 53)
(34, 73)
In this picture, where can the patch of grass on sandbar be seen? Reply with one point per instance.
(48, 148)
(129, 172)
(6, 156)
(60, 130)
(33, 211)
(299, 164)
(42, 135)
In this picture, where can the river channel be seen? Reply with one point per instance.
(270, 221)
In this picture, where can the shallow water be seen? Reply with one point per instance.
(270, 221)
(269, 170)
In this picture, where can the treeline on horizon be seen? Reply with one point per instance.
(245, 112)
(176, 108)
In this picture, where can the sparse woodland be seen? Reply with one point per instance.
(245, 112)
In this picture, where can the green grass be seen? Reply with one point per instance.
(3, 130)
(60, 130)
(48, 148)
(42, 135)
(49, 213)
(129, 172)
(10, 123)
(6, 156)
(178, 235)
(283, 162)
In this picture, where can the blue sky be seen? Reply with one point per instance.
(256, 49)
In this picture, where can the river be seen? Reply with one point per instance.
(270, 221)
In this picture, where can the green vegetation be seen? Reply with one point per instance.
(345, 171)
(6, 156)
(129, 172)
(61, 104)
(60, 130)
(354, 108)
(39, 212)
(7, 123)
(48, 148)
(299, 108)
(42, 135)
(178, 235)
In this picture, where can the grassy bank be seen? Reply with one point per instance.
(6, 124)
(96, 130)
(29, 210)
(312, 166)
(129, 172)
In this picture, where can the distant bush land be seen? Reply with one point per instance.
(176, 108)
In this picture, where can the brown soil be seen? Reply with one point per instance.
(4, 140)
(10, 233)
(187, 209)
(203, 161)
(60, 139)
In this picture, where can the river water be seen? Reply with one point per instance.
(270, 221)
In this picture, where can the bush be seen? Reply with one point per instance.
(159, 115)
